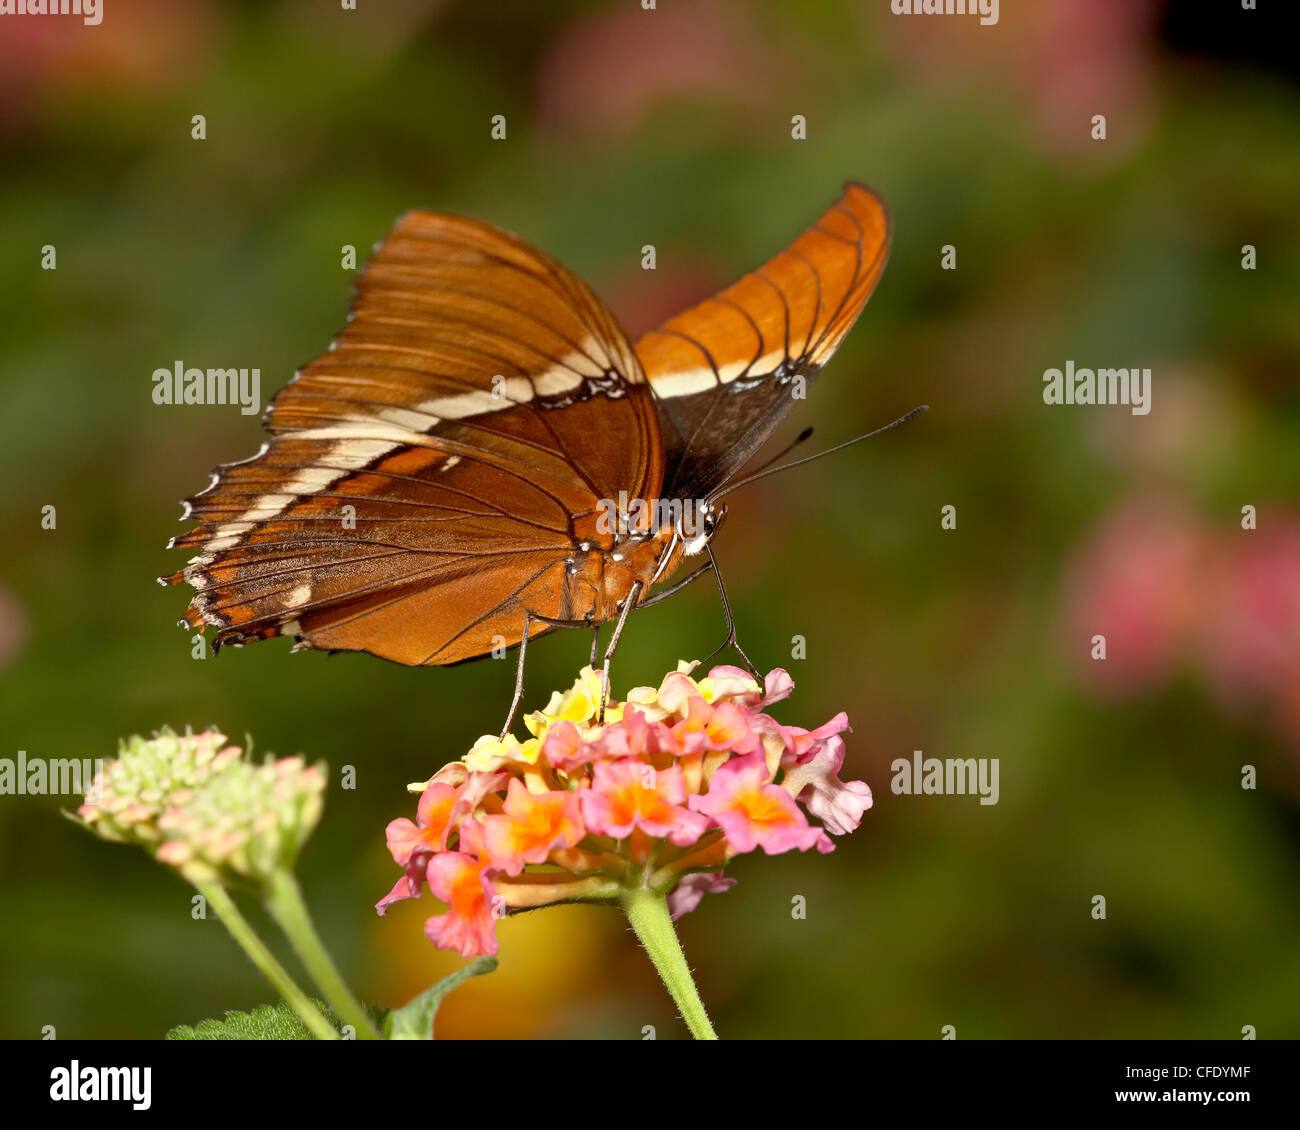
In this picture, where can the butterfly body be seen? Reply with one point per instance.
(605, 565)
(482, 448)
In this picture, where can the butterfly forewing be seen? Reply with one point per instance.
(725, 372)
(420, 491)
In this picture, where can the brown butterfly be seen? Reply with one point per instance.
(482, 456)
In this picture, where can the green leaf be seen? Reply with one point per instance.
(266, 1022)
(414, 1021)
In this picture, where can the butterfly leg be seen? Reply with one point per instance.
(531, 618)
(730, 641)
(672, 590)
(519, 678)
(595, 645)
(628, 601)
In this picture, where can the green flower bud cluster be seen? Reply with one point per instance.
(149, 776)
(201, 807)
(248, 821)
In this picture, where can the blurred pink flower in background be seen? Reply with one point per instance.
(1251, 635)
(1136, 580)
(1094, 57)
(606, 70)
(137, 45)
(1063, 62)
(1168, 587)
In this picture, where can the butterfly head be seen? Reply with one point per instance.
(709, 519)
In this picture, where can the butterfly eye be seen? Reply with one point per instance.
(709, 522)
(714, 519)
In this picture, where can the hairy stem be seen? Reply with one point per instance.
(264, 959)
(284, 901)
(648, 913)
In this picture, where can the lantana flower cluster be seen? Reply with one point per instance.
(147, 778)
(199, 805)
(674, 782)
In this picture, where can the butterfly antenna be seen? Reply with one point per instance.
(767, 469)
(789, 447)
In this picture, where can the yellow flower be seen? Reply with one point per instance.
(490, 753)
(580, 704)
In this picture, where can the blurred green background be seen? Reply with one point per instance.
(625, 127)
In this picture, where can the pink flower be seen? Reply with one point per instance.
(704, 728)
(804, 744)
(729, 728)
(408, 886)
(777, 686)
(631, 794)
(837, 804)
(636, 737)
(461, 880)
(690, 733)
(686, 896)
(441, 809)
(429, 832)
(531, 827)
(678, 692)
(476, 788)
(736, 685)
(754, 813)
(564, 747)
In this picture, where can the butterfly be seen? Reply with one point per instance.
(482, 456)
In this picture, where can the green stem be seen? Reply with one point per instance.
(284, 901)
(264, 959)
(648, 913)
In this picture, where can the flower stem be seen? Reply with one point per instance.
(264, 959)
(284, 901)
(648, 913)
